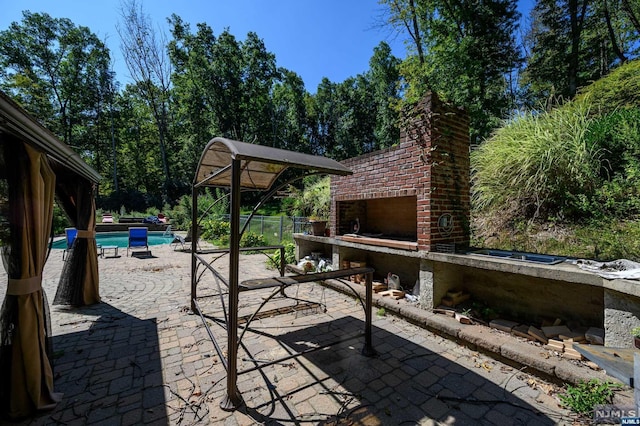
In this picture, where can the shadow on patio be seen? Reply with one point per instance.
(113, 366)
(405, 384)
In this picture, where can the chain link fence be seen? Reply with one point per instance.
(275, 229)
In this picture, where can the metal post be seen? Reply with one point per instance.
(233, 399)
(281, 227)
(194, 225)
(368, 350)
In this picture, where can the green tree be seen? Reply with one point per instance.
(384, 75)
(574, 42)
(60, 73)
(464, 51)
(289, 113)
(140, 166)
(144, 53)
(228, 83)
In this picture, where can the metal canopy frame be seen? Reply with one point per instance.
(238, 166)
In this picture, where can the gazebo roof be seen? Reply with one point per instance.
(260, 165)
(17, 122)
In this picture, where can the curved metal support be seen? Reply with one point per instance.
(347, 283)
(264, 302)
(206, 211)
(271, 193)
(218, 278)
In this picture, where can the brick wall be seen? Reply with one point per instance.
(430, 166)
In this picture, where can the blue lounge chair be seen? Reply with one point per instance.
(70, 234)
(138, 237)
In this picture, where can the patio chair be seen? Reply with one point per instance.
(107, 218)
(70, 234)
(180, 240)
(138, 237)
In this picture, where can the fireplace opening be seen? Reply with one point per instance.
(393, 218)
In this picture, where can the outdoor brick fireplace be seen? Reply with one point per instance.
(405, 211)
(412, 196)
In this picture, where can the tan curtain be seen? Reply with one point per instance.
(27, 379)
(79, 280)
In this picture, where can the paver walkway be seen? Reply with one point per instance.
(141, 357)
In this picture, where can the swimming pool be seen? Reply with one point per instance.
(119, 239)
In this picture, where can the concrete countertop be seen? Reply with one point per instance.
(565, 271)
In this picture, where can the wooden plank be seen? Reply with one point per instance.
(378, 287)
(444, 310)
(572, 337)
(617, 362)
(522, 330)
(572, 355)
(537, 334)
(556, 343)
(394, 294)
(462, 319)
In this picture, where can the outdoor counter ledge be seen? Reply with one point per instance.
(560, 272)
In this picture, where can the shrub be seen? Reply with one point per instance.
(314, 200)
(273, 262)
(619, 89)
(533, 163)
(215, 229)
(583, 397)
(210, 204)
(60, 220)
(251, 239)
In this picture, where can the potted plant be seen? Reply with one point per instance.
(314, 202)
(635, 332)
(318, 225)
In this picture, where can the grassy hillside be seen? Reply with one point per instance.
(565, 181)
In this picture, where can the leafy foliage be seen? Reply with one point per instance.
(314, 200)
(251, 239)
(273, 261)
(620, 89)
(572, 43)
(60, 73)
(535, 161)
(211, 204)
(583, 397)
(213, 230)
(580, 161)
(464, 51)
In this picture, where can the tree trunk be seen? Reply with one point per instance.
(576, 19)
(612, 35)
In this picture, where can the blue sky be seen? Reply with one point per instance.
(316, 39)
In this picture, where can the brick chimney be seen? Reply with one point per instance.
(419, 189)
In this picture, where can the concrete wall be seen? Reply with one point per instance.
(522, 297)
(621, 314)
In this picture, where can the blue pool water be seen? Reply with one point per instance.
(120, 239)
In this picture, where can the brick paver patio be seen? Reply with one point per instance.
(142, 357)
